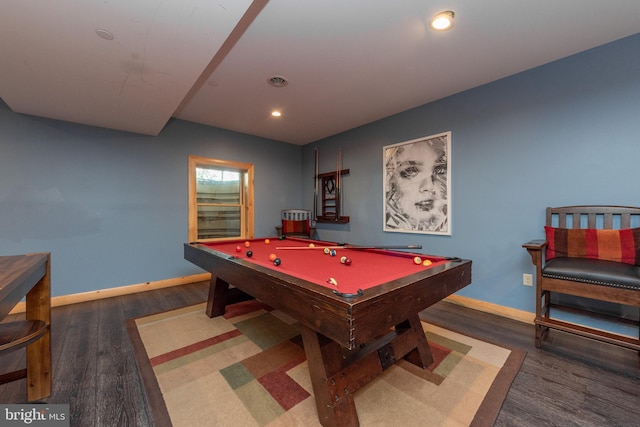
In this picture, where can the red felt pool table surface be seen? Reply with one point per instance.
(369, 267)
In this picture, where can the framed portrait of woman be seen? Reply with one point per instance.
(417, 185)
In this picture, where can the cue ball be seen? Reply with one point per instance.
(272, 257)
(247, 244)
(426, 262)
(277, 262)
(417, 260)
(326, 251)
(238, 248)
(249, 254)
(267, 241)
(332, 281)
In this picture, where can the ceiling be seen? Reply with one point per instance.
(347, 63)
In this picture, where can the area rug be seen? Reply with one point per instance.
(248, 368)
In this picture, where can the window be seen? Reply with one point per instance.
(220, 199)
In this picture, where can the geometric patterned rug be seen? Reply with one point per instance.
(248, 368)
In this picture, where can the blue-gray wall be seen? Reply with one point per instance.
(112, 206)
(562, 134)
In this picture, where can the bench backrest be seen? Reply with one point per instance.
(601, 217)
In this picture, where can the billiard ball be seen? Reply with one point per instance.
(283, 237)
(345, 260)
(272, 257)
(332, 252)
(238, 249)
(326, 251)
(332, 281)
(426, 262)
(311, 245)
(267, 241)
(249, 254)
(417, 260)
(276, 262)
(247, 244)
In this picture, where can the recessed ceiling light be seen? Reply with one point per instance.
(104, 34)
(276, 113)
(443, 21)
(277, 81)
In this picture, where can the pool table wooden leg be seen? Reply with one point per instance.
(217, 300)
(324, 357)
(336, 375)
(421, 355)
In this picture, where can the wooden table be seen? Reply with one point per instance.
(351, 332)
(28, 275)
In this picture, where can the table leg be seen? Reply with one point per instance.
(421, 355)
(217, 300)
(38, 307)
(324, 358)
(336, 374)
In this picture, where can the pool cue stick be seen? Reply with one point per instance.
(349, 247)
(338, 186)
(315, 190)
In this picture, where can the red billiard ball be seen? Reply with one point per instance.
(238, 249)
(347, 261)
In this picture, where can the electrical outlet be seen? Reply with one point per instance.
(527, 279)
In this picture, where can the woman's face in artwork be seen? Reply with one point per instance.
(420, 176)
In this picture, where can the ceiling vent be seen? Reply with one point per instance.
(278, 81)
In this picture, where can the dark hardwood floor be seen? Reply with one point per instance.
(570, 382)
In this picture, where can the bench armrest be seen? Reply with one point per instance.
(535, 245)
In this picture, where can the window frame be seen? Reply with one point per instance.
(247, 207)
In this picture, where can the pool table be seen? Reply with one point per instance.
(356, 319)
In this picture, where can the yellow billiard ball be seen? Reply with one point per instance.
(426, 262)
(311, 245)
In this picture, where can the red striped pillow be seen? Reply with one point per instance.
(612, 245)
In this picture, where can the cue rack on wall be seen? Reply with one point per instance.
(329, 185)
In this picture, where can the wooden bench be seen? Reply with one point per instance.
(589, 252)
